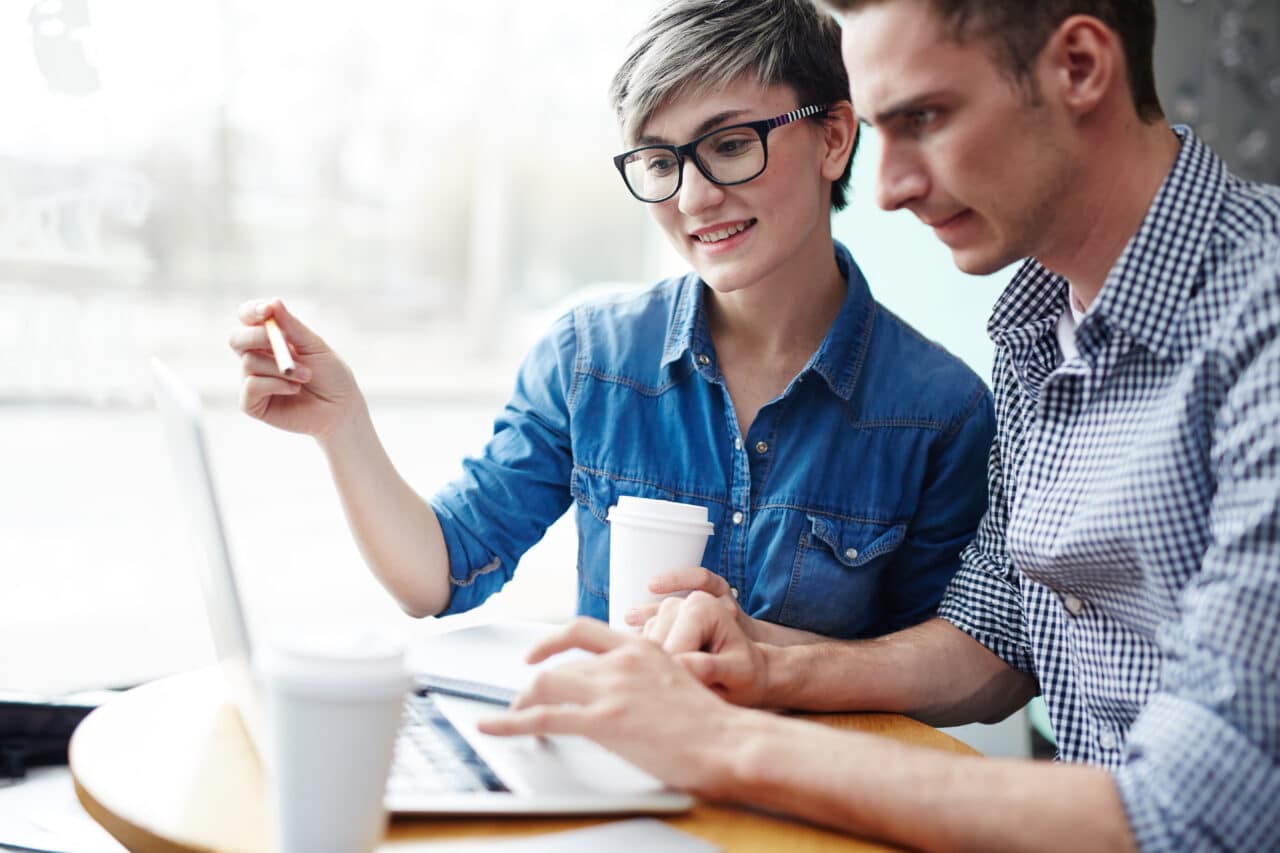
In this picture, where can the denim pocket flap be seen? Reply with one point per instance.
(855, 543)
(595, 492)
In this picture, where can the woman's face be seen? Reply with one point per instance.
(737, 236)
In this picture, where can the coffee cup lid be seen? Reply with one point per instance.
(342, 662)
(651, 512)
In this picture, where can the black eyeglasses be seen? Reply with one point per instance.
(726, 156)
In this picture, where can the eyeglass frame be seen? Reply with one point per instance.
(689, 150)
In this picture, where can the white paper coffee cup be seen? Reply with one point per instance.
(333, 707)
(648, 537)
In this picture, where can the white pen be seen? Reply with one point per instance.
(284, 360)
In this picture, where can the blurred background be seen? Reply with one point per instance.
(428, 185)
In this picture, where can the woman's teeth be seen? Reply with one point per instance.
(724, 233)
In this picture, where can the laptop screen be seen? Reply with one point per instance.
(180, 409)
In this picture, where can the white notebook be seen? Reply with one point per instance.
(483, 661)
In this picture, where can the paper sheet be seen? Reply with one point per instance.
(41, 812)
(647, 834)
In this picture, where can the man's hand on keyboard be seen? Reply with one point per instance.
(635, 700)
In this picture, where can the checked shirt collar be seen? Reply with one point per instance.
(1147, 289)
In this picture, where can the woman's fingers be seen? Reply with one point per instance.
(256, 363)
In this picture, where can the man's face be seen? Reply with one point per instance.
(964, 149)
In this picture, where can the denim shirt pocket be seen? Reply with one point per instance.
(593, 493)
(835, 578)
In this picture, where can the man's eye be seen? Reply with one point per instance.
(921, 119)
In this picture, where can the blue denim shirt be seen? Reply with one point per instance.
(842, 511)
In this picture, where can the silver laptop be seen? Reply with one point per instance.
(443, 765)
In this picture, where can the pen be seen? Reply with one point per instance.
(279, 348)
(478, 690)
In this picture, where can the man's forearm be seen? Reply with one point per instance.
(914, 796)
(783, 635)
(933, 671)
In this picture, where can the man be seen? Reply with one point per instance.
(1128, 567)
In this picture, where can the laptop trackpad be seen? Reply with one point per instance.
(558, 764)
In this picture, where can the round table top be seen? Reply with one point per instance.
(168, 767)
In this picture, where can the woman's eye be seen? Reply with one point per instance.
(660, 165)
(733, 145)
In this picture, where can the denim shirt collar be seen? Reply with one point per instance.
(838, 359)
(1149, 286)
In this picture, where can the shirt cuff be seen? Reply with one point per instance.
(984, 608)
(474, 573)
(1192, 781)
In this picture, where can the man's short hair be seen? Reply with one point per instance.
(1017, 30)
(690, 47)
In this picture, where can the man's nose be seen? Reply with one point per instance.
(901, 179)
(697, 193)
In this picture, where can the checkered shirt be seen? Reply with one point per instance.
(1130, 556)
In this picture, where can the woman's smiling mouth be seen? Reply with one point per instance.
(716, 233)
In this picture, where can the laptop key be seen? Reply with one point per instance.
(432, 757)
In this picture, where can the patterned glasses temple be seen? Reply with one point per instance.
(796, 115)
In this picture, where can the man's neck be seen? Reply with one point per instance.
(1109, 205)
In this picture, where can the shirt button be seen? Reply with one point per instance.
(733, 590)
(703, 358)
(1107, 739)
(737, 444)
(1073, 604)
(851, 553)
(762, 447)
(737, 517)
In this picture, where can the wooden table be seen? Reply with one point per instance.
(167, 767)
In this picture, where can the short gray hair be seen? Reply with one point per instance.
(698, 46)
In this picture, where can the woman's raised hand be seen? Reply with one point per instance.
(317, 397)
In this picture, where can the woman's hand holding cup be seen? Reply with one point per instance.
(682, 582)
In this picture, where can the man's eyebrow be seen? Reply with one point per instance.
(915, 102)
(707, 125)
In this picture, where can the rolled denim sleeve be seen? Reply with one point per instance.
(1202, 766)
(984, 599)
(518, 486)
(951, 505)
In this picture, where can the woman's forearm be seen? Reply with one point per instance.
(396, 530)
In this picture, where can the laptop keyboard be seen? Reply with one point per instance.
(431, 757)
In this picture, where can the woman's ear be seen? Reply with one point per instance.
(840, 134)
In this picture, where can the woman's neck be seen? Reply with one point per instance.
(781, 317)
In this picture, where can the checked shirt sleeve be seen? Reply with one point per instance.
(983, 598)
(1202, 769)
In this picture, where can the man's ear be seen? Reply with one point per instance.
(1081, 63)
(840, 134)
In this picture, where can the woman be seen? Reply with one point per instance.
(840, 455)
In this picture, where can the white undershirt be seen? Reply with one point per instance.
(1067, 325)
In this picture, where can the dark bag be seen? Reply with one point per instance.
(35, 730)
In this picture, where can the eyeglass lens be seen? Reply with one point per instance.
(730, 156)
